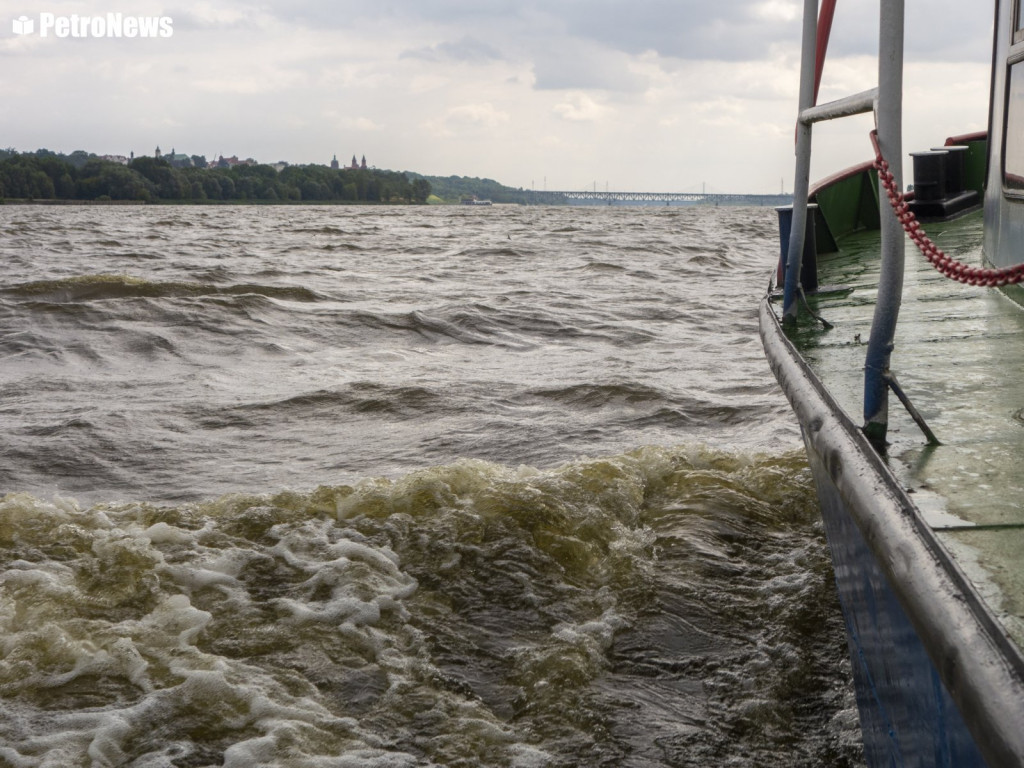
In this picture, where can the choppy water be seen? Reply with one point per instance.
(404, 487)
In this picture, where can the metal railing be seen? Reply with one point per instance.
(886, 101)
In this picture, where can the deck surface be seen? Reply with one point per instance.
(960, 360)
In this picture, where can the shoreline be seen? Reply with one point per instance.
(23, 201)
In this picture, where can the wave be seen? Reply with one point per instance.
(346, 247)
(601, 266)
(648, 407)
(106, 287)
(325, 229)
(515, 324)
(601, 395)
(367, 398)
(463, 614)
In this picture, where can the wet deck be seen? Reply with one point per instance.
(959, 358)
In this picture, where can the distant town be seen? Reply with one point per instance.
(183, 160)
(45, 176)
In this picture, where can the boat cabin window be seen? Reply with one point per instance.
(1018, 21)
(1013, 155)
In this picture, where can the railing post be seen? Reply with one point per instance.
(890, 281)
(801, 180)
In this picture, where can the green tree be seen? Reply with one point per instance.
(227, 187)
(211, 186)
(420, 190)
(22, 177)
(170, 183)
(99, 178)
(65, 186)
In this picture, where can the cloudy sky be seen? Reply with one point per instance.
(629, 95)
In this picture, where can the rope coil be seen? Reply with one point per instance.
(949, 267)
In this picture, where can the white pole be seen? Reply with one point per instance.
(890, 285)
(801, 180)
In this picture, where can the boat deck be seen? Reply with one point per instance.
(959, 360)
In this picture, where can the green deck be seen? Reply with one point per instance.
(959, 358)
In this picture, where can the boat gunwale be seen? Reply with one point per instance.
(966, 138)
(843, 175)
(979, 664)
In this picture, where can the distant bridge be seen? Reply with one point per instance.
(693, 198)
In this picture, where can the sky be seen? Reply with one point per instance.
(623, 95)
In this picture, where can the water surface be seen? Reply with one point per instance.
(404, 487)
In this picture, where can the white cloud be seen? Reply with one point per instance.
(222, 16)
(360, 124)
(778, 10)
(468, 118)
(479, 114)
(245, 82)
(581, 107)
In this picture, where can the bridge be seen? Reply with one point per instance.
(585, 197)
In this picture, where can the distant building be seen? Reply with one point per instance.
(334, 163)
(158, 154)
(231, 162)
(178, 160)
(356, 166)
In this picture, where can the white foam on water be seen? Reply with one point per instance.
(118, 608)
(462, 614)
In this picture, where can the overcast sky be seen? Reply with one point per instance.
(637, 95)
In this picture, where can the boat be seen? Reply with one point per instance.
(915, 298)
(475, 201)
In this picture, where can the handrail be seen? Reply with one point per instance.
(980, 666)
(890, 279)
(887, 103)
(825, 15)
(801, 176)
(857, 104)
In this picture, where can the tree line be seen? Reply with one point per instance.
(455, 188)
(45, 175)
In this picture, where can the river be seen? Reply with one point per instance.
(405, 486)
